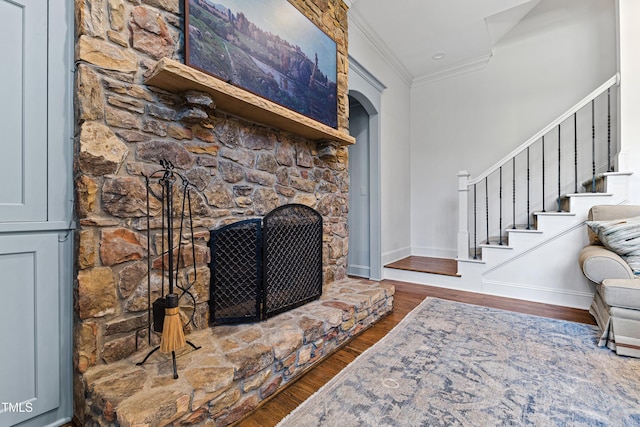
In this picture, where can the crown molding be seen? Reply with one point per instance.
(357, 68)
(459, 69)
(377, 44)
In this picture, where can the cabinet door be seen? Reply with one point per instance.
(29, 326)
(23, 110)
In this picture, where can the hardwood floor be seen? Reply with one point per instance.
(407, 297)
(444, 266)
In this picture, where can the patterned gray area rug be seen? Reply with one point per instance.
(454, 364)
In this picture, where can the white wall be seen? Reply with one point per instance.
(629, 100)
(553, 58)
(395, 146)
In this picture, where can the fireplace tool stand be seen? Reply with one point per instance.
(165, 311)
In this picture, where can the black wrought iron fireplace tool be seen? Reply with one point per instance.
(165, 311)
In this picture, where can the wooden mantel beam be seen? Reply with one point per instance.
(177, 77)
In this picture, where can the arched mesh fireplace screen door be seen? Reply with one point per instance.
(260, 269)
(236, 272)
(292, 257)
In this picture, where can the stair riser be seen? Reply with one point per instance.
(581, 205)
(601, 185)
(618, 185)
(524, 240)
(556, 224)
(492, 255)
(471, 284)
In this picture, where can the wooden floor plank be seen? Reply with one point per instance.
(406, 298)
(443, 266)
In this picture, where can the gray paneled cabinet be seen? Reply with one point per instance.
(35, 212)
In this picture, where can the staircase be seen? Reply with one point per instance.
(533, 255)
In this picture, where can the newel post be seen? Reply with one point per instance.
(463, 215)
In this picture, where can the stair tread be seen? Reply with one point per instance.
(554, 213)
(616, 173)
(472, 261)
(523, 230)
(495, 245)
(588, 194)
(604, 175)
(432, 265)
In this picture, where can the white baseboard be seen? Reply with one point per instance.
(359, 271)
(562, 297)
(395, 255)
(434, 252)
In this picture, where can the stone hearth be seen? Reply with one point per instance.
(236, 368)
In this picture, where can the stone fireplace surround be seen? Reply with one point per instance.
(242, 166)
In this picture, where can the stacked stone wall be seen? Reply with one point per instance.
(240, 170)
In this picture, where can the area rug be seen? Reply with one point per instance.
(454, 364)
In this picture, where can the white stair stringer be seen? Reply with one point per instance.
(538, 265)
(545, 272)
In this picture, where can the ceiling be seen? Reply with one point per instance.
(429, 39)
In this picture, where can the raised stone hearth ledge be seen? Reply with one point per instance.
(177, 77)
(236, 368)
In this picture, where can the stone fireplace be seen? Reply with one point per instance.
(128, 117)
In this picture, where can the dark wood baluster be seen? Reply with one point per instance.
(528, 193)
(575, 152)
(500, 223)
(514, 193)
(543, 181)
(559, 167)
(593, 145)
(475, 223)
(609, 130)
(486, 204)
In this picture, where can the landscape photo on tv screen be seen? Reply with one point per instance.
(267, 47)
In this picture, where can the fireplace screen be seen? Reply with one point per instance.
(262, 268)
(292, 257)
(236, 273)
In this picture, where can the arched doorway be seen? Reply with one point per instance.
(365, 249)
(359, 260)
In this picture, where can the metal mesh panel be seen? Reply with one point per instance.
(236, 273)
(292, 257)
